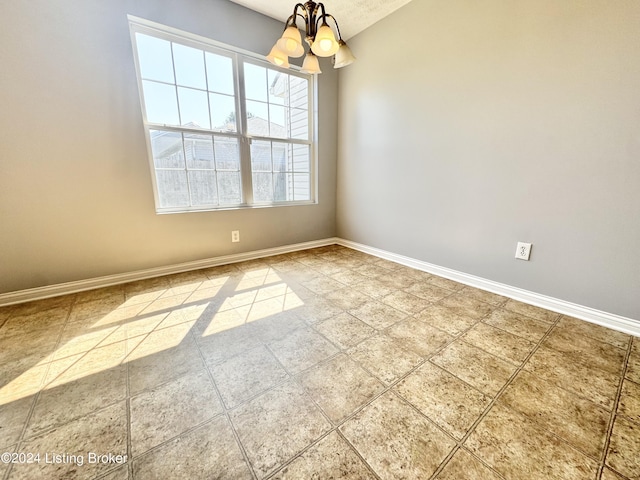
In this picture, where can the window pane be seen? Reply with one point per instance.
(189, 65)
(277, 125)
(278, 87)
(198, 151)
(203, 187)
(193, 108)
(282, 187)
(258, 118)
(301, 186)
(223, 112)
(298, 92)
(154, 56)
(301, 158)
(167, 149)
(229, 188)
(279, 157)
(219, 73)
(262, 187)
(255, 82)
(299, 127)
(160, 103)
(261, 156)
(172, 188)
(227, 153)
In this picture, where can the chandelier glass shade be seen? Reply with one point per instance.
(319, 36)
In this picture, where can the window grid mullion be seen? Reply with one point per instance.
(286, 146)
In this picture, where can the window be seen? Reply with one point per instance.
(225, 128)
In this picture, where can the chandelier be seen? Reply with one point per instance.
(318, 35)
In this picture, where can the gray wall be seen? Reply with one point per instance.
(467, 126)
(76, 200)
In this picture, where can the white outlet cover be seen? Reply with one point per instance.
(523, 251)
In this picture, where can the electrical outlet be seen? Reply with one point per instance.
(523, 251)
(235, 236)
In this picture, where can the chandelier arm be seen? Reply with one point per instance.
(335, 22)
(322, 17)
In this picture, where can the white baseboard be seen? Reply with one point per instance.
(40, 293)
(609, 320)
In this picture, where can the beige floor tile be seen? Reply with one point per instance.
(19, 347)
(323, 285)
(340, 386)
(302, 349)
(349, 277)
(38, 305)
(478, 368)
(347, 298)
(384, 357)
(220, 346)
(378, 315)
(170, 409)
(120, 473)
(115, 293)
(484, 296)
(374, 287)
(210, 451)
(398, 279)
(276, 327)
(247, 374)
(330, 458)
(531, 311)
(445, 283)
(502, 344)
(466, 306)
(633, 365)
(77, 398)
(371, 270)
(92, 362)
(582, 327)
(465, 466)
(278, 425)
(103, 431)
(444, 398)
(526, 451)
(517, 324)
(608, 474)
(562, 370)
(624, 447)
(150, 368)
(317, 309)
(94, 308)
(396, 441)
(592, 353)
(418, 336)
(13, 416)
(580, 422)
(428, 291)
(50, 321)
(316, 314)
(629, 404)
(446, 319)
(345, 330)
(22, 378)
(405, 302)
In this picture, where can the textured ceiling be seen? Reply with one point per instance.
(353, 16)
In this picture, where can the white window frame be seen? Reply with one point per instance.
(239, 57)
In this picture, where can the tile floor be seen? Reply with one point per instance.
(325, 363)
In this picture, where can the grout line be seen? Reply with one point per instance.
(614, 410)
(492, 403)
(225, 410)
